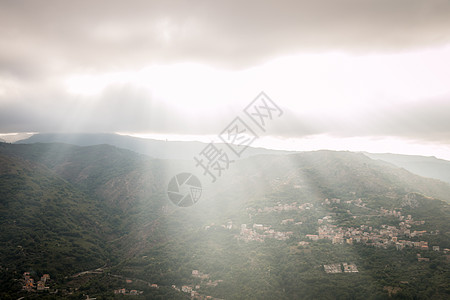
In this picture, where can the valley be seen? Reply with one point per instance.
(325, 224)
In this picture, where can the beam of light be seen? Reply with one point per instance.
(314, 83)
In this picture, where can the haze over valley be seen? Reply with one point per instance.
(224, 150)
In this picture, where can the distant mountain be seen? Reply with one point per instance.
(431, 167)
(424, 166)
(150, 147)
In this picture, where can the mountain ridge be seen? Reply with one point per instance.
(152, 147)
(421, 165)
(426, 166)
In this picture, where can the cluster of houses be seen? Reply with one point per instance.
(30, 285)
(357, 202)
(228, 226)
(340, 267)
(406, 221)
(259, 233)
(290, 221)
(420, 258)
(128, 292)
(381, 237)
(281, 207)
(193, 289)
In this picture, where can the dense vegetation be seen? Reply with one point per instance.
(66, 209)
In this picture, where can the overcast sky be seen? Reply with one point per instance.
(352, 74)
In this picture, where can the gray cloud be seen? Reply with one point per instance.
(126, 108)
(426, 120)
(42, 40)
(118, 108)
(126, 34)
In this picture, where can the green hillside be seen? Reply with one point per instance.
(47, 225)
(269, 228)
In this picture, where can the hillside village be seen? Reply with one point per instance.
(406, 234)
(382, 237)
(400, 236)
(296, 220)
